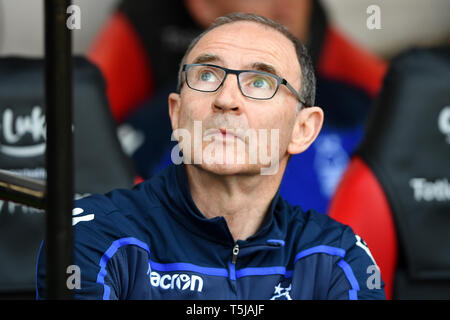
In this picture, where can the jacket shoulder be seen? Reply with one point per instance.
(311, 228)
(116, 213)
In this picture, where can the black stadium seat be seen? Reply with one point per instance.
(99, 162)
(396, 190)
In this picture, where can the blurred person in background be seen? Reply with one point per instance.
(136, 49)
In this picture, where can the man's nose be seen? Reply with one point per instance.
(228, 96)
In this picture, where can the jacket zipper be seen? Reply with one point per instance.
(235, 254)
(232, 270)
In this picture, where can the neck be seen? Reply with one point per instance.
(243, 200)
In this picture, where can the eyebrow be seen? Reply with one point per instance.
(259, 66)
(207, 58)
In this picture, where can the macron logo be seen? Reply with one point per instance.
(176, 281)
(77, 218)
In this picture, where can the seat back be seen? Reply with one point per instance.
(396, 193)
(99, 162)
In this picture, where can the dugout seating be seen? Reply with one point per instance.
(99, 162)
(395, 193)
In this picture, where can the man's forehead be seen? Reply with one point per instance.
(247, 42)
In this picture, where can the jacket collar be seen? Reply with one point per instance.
(175, 189)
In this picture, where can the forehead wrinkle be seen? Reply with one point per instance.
(259, 63)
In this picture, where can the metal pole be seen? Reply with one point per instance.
(59, 153)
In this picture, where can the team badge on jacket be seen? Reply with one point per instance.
(281, 293)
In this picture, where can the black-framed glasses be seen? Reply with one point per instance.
(253, 84)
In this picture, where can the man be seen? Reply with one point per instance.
(216, 227)
(348, 78)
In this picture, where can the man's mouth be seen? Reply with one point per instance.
(227, 133)
(223, 134)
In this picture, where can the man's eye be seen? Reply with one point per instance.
(260, 83)
(207, 76)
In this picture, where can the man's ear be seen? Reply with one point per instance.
(174, 109)
(306, 129)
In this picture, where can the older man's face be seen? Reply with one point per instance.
(226, 117)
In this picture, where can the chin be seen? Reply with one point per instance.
(230, 169)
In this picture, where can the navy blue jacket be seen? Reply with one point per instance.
(152, 242)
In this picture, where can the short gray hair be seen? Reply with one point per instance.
(308, 78)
